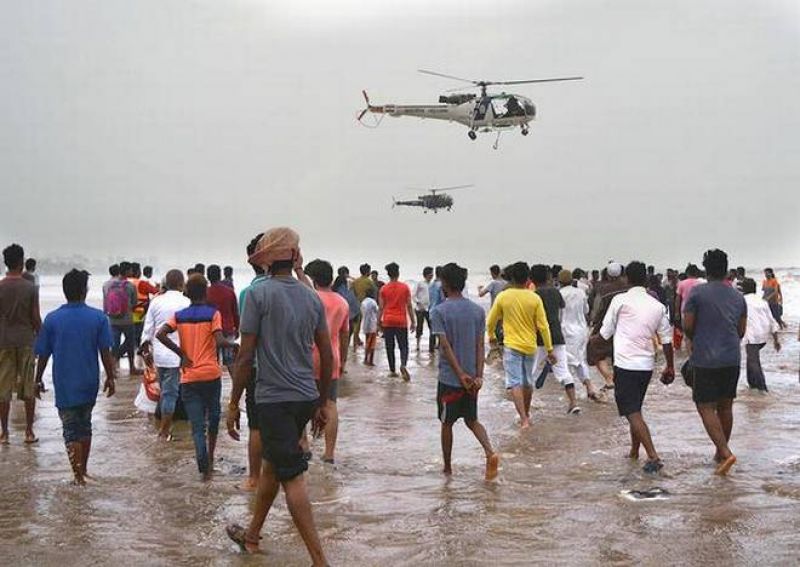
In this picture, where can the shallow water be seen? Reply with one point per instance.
(558, 498)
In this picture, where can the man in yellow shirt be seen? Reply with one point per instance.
(522, 313)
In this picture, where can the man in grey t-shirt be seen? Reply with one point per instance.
(715, 318)
(460, 324)
(282, 320)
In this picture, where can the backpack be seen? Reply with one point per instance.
(117, 301)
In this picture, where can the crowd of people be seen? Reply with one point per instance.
(286, 338)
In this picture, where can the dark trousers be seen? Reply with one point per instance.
(128, 346)
(755, 374)
(422, 318)
(399, 334)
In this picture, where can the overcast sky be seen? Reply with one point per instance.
(178, 129)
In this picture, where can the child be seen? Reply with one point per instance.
(199, 328)
(369, 324)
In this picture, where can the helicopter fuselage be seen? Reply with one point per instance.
(432, 202)
(485, 114)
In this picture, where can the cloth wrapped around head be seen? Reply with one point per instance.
(277, 244)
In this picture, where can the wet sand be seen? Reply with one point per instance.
(557, 500)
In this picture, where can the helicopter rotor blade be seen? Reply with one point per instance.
(434, 73)
(440, 189)
(529, 81)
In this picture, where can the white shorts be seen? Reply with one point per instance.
(560, 368)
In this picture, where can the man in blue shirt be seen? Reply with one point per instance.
(459, 324)
(715, 318)
(73, 335)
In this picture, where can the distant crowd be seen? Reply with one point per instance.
(285, 339)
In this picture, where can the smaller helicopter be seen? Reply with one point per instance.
(435, 199)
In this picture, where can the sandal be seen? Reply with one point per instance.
(238, 535)
(31, 439)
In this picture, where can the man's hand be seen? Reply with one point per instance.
(466, 380)
(108, 387)
(39, 389)
(186, 362)
(232, 420)
(319, 421)
(551, 358)
(668, 375)
(477, 383)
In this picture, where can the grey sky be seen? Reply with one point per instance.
(178, 129)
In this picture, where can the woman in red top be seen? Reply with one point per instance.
(396, 316)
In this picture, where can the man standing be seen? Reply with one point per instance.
(576, 331)
(422, 301)
(683, 290)
(494, 287)
(119, 299)
(224, 299)
(715, 319)
(254, 447)
(337, 315)
(19, 323)
(773, 295)
(74, 334)
(633, 318)
(459, 324)
(361, 286)
(761, 326)
(282, 318)
(553, 304)
(522, 314)
(227, 271)
(30, 271)
(395, 313)
(168, 364)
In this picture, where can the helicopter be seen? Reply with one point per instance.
(487, 112)
(435, 199)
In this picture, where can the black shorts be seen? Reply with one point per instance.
(630, 387)
(281, 425)
(712, 385)
(250, 402)
(454, 403)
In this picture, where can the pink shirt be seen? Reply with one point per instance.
(337, 315)
(687, 286)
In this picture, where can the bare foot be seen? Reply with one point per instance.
(207, 476)
(30, 438)
(717, 457)
(4, 438)
(524, 424)
(492, 464)
(79, 481)
(725, 466)
(447, 470)
(634, 454)
(249, 484)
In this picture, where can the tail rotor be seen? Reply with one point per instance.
(370, 108)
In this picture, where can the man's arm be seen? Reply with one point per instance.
(540, 318)
(163, 336)
(480, 354)
(222, 342)
(148, 331)
(742, 326)
(41, 365)
(411, 314)
(36, 316)
(110, 366)
(344, 341)
(494, 317)
(689, 324)
(609, 326)
(322, 339)
(689, 316)
(450, 357)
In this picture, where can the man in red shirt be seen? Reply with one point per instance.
(395, 313)
(224, 299)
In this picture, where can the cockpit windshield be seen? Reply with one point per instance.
(510, 106)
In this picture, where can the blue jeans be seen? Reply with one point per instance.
(128, 347)
(201, 399)
(77, 422)
(170, 379)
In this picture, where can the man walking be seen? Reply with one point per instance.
(74, 334)
(361, 287)
(168, 364)
(395, 313)
(422, 301)
(459, 324)
(522, 314)
(576, 331)
(282, 318)
(19, 323)
(761, 327)
(119, 299)
(715, 319)
(633, 318)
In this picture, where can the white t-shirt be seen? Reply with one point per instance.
(760, 322)
(369, 316)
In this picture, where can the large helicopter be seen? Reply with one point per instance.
(487, 112)
(434, 200)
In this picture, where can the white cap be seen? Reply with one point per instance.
(614, 269)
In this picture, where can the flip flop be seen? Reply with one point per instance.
(574, 411)
(30, 440)
(238, 535)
